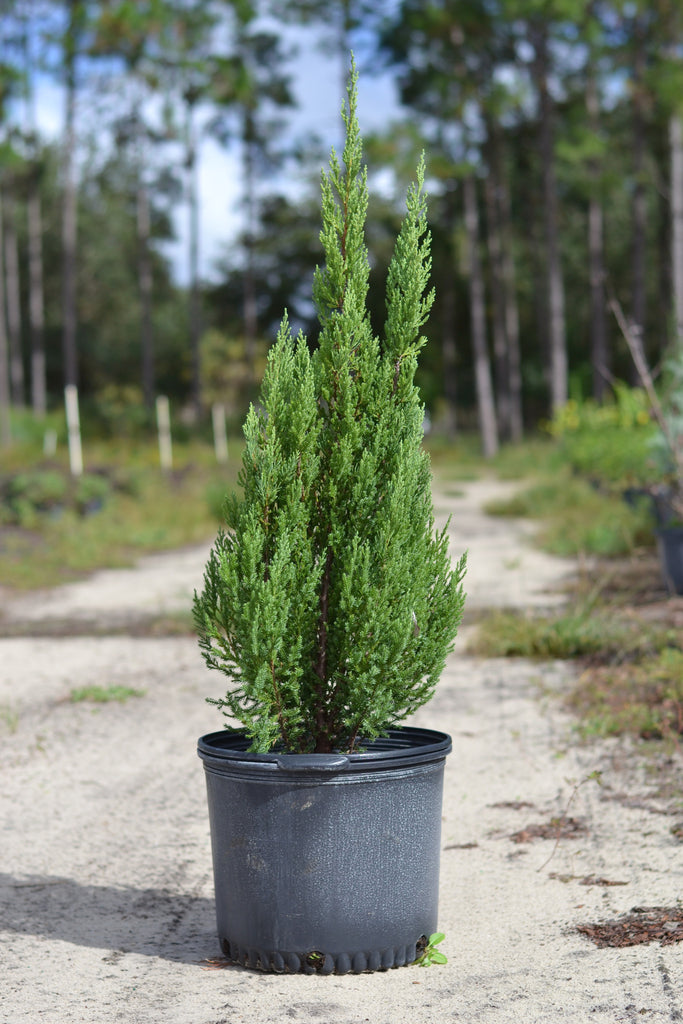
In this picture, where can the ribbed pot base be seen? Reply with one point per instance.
(316, 962)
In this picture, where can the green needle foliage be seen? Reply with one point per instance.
(330, 601)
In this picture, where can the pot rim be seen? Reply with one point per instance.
(405, 745)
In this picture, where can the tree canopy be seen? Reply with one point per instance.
(554, 158)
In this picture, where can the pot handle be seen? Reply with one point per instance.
(302, 763)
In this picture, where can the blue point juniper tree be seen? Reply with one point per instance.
(330, 601)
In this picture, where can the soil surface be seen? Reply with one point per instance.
(550, 846)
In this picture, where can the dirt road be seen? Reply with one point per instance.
(106, 900)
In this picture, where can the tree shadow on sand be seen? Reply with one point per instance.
(153, 922)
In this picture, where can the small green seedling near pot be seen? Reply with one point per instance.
(430, 954)
(103, 694)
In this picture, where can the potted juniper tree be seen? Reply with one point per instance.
(330, 603)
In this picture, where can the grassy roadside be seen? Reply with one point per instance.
(625, 635)
(46, 539)
(620, 626)
(143, 510)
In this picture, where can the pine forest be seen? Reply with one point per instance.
(553, 139)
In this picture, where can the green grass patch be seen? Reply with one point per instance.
(147, 510)
(9, 718)
(528, 459)
(572, 634)
(631, 682)
(104, 694)
(642, 699)
(461, 459)
(577, 519)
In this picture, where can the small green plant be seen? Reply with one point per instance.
(104, 694)
(40, 493)
(91, 492)
(9, 717)
(32, 493)
(429, 954)
(330, 602)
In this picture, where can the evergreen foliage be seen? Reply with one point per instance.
(330, 601)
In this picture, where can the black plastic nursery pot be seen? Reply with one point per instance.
(326, 862)
(670, 545)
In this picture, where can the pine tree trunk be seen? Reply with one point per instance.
(5, 422)
(665, 270)
(249, 284)
(500, 348)
(13, 304)
(194, 304)
(596, 258)
(556, 312)
(448, 358)
(482, 367)
(145, 282)
(145, 287)
(599, 354)
(676, 143)
(639, 208)
(34, 224)
(36, 299)
(511, 317)
(69, 231)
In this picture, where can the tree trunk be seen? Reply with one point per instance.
(194, 305)
(511, 316)
(639, 209)
(500, 348)
(5, 422)
(676, 143)
(34, 218)
(249, 284)
(145, 287)
(69, 227)
(143, 224)
(664, 275)
(599, 354)
(482, 367)
(448, 357)
(13, 304)
(556, 313)
(596, 256)
(36, 298)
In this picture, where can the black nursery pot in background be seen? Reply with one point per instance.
(326, 862)
(670, 546)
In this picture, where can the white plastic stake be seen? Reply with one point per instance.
(220, 437)
(164, 428)
(73, 427)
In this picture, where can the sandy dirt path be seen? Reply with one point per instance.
(106, 899)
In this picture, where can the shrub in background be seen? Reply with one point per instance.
(611, 443)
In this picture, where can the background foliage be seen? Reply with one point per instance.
(559, 119)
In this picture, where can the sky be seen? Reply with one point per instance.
(316, 82)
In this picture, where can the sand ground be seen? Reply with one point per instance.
(106, 898)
